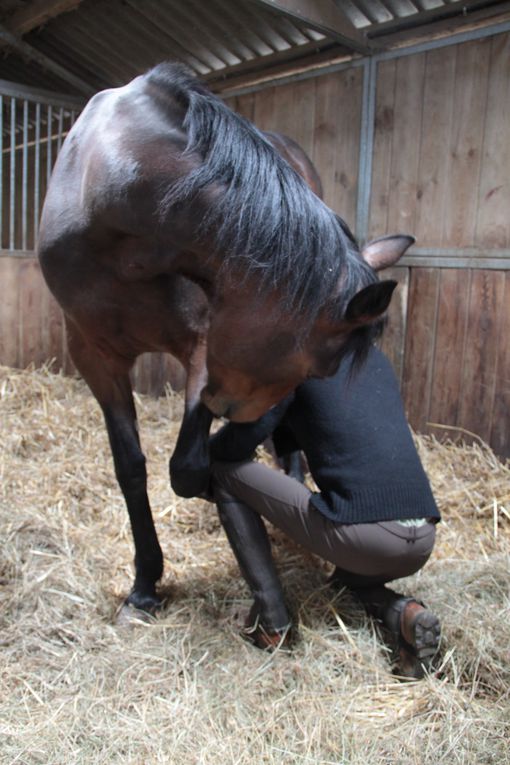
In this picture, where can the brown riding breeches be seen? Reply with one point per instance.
(378, 552)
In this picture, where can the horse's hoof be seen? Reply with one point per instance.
(267, 639)
(128, 616)
(147, 602)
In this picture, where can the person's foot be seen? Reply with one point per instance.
(418, 633)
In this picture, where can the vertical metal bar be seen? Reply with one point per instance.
(37, 170)
(1, 172)
(12, 177)
(60, 129)
(49, 114)
(24, 179)
(366, 149)
(73, 117)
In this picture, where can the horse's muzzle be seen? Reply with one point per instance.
(236, 411)
(218, 405)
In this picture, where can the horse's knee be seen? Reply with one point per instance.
(131, 473)
(189, 479)
(190, 471)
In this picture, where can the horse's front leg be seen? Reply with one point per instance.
(189, 464)
(110, 384)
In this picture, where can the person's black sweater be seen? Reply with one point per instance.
(354, 434)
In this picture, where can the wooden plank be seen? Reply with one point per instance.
(419, 347)
(176, 374)
(493, 220)
(31, 322)
(382, 148)
(478, 387)
(500, 425)
(303, 111)
(264, 109)
(9, 310)
(52, 329)
(68, 367)
(157, 371)
(336, 139)
(38, 12)
(244, 105)
(152, 371)
(393, 340)
(322, 115)
(406, 144)
(282, 117)
(463, 153)
(436, 128)
(449, 349)
(31, 350)
(140, 374)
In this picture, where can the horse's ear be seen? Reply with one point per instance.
(370, 303)
(385, 251)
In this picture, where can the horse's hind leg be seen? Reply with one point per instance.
(110, 384)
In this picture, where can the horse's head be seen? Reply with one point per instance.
(256, 355)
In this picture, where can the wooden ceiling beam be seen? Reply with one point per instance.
(29, 17)
(325, 17)
(36, 13)
(32, 54)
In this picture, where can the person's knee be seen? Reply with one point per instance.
(222, 480)
(220, 494)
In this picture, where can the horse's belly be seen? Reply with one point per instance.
(167, 313)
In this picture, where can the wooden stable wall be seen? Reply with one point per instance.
(440, 169)
(32, 329)
(323, 114)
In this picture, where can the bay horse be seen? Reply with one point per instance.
(172, 224)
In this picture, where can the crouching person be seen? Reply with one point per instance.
(374, 516)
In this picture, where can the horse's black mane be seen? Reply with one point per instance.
(266, 214)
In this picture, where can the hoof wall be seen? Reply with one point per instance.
(128, 616)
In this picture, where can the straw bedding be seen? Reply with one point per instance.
(77, 686)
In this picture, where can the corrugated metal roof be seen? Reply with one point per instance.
(366, 13)
(108, 43)
(102, 43)
(13, 67)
